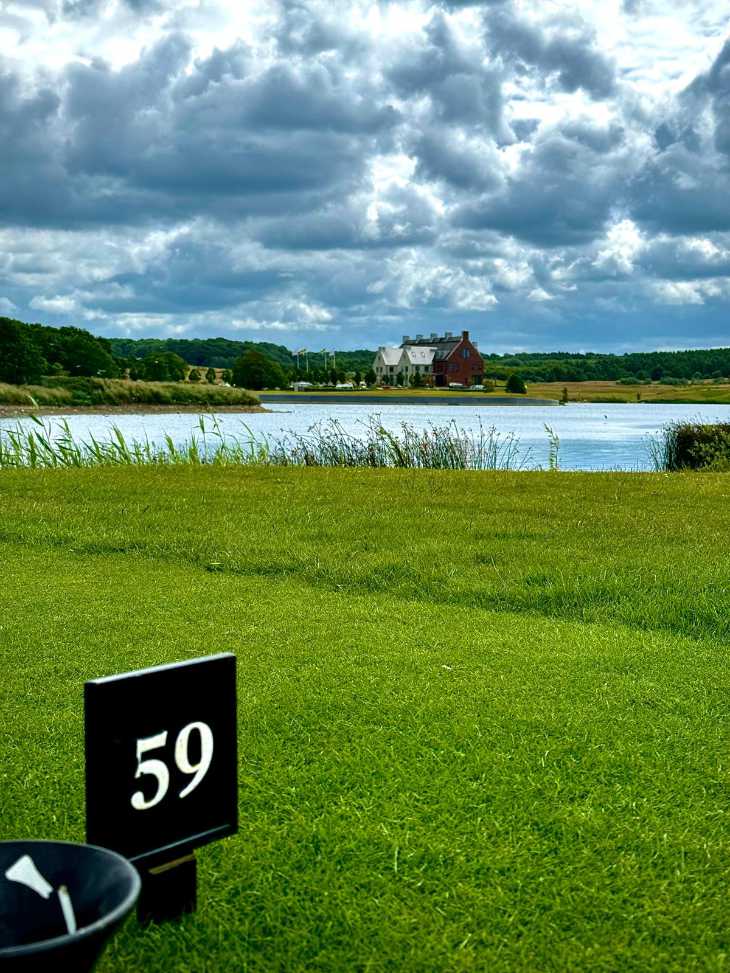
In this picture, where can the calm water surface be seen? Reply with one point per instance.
(592, 436)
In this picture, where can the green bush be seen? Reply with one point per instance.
(516, 384)
(693, 446)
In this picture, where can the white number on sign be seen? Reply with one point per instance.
(158, 768)
(182, 758)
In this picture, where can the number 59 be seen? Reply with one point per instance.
(157, 768)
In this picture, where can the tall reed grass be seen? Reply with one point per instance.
(41, 445)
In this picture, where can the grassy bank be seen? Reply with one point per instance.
(710, 393)
(92, 392)
(483, 717)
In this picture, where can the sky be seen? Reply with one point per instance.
(549, 175)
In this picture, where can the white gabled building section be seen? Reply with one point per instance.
(406, 361)
(416, 360)
(386, 364)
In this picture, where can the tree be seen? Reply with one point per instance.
(165, 366)
(20, 360)
(399, 378)
(254, 371)
(416, 380)
(358, 378)
(210, 376)
(78, 352)
(193, 375)
(227, 376)
(516, 384)
(370, 377)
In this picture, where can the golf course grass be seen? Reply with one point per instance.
(483, 717)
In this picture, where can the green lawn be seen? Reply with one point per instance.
(483, 717)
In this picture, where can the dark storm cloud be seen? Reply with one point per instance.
(304, 31)
(77, 9)
(463, 4)
(463, 90)
(684, 188)
(717, 86)
(673, 259)
(681, 192)
(161, 140)
(571, 57)
(190, 275)
(404, 218)
(441, 156)
(33, 182)
(562, 195)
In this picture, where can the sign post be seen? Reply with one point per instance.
(161, 772)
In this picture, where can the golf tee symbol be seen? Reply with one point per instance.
(26, 873)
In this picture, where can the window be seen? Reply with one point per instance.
(465, 353)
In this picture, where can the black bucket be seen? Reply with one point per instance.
(60, 903)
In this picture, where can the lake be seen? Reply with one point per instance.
(607, 436)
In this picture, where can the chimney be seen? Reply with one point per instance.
(449, 334)
(464, 335)
(434, 336)
(419, 337)
(406, 339)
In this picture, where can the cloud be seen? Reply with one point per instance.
(366, 169)
(461, 87)
(568, 55)
(562, 194)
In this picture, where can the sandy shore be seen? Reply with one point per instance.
(141, 408)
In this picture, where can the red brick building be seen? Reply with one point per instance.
(455, 359)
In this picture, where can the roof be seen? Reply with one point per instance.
(390, 356)
(442, 345)
(419, 355)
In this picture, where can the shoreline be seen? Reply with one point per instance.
(127, 408)
(369, 398)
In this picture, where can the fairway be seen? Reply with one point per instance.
(482, 716)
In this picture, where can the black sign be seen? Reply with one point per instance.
(161, 758)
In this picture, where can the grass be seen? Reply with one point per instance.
(61, 392)
(483, 716)
(700, 392)
(711, 393)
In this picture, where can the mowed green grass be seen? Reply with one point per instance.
(483, 717)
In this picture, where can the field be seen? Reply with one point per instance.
(483, 716)
(700, 392)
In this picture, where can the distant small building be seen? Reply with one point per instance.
(440, 360)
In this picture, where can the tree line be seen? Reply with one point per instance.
(657, 366)
(31, 351)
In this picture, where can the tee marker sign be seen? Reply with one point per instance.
(161, 759)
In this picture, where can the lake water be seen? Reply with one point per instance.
(592, 436)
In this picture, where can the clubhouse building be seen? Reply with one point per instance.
(436, 360)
